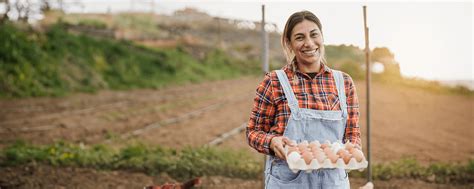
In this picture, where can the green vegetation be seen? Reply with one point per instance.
(192, 162)
(57, 62)
(187, 163)
(92, 23)
(435, 172)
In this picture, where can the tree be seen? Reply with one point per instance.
(7, 10)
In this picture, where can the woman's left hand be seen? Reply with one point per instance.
(277, 145)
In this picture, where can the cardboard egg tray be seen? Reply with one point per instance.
(296, 162)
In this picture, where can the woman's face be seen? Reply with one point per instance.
(305, 41)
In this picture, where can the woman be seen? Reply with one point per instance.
(306, 100)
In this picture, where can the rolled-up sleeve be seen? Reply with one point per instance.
(352, 132)
(262, 117)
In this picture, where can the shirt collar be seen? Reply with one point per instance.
(288, 68)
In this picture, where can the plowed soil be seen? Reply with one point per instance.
(405, 122)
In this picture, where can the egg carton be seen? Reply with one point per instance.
(296, 162)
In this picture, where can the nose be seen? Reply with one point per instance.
(308, 43)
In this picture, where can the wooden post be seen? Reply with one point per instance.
(265, 69)
(367, 63)
(264, 43)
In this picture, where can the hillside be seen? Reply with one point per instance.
(71, 53)
(58, 62)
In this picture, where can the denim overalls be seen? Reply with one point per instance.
(309, 124)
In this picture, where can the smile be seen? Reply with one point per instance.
(310, 52)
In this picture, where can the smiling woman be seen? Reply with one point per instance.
(305, 101)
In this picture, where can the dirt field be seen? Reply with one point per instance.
(32, 176)
(405, 122)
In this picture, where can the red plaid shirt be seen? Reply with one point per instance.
(271, 112)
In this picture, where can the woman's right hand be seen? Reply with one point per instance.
(277, 145)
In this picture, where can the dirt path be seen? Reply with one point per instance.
(406, 121)
(93, 118)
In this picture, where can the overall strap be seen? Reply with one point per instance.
(290, 96)
(341, 91)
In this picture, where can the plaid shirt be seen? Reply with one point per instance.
(270, 112)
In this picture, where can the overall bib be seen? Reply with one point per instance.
(309, 124)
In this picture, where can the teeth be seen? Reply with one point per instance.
(311, 52)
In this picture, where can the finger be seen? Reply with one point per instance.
(281, 151)
(279, 154)
(285, 141)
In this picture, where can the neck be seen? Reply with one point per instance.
(309, 68)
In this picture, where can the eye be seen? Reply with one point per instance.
(299, 38)
(314, 34)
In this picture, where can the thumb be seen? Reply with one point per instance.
(285, 141)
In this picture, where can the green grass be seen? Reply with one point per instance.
(204, 161)
(57, 63)
(435, 172)
(183, 164)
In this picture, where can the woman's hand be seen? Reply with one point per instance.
(277, 145)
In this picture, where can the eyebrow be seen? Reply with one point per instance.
(315, 30)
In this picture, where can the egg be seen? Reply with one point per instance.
(324, 146)
(335, 147)
(333, 157)
(320, 157)
(348, 146)
(303, 147)
(358, 155)
(327, 151)
(345, 155)
(315, 143)
(347, 158)
(307, 156)
(340, 152)
(316, 151)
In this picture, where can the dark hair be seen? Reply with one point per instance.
(292, 21)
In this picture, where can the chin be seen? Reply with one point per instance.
(309, 61)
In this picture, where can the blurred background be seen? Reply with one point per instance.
(125, 94)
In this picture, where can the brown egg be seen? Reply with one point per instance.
(303, 147)
(347, 158)
(314, 144)
(316, 151)
(333, 157)
(328, 151)
(345, 155)
(307, 156)
(324, 146)
(358, 155)
(340, 152)
(320, 157)
(348, 146)
(314, 148)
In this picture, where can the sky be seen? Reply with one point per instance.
(430, 39)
